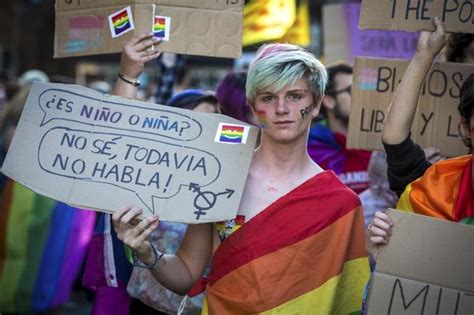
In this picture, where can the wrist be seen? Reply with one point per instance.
(150, 262)
(424, 56)
(129, 79)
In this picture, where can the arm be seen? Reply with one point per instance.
(135, 53)
(402, 109)
(178, 272)
(406, 160)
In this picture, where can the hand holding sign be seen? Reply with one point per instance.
(141, 49)
(136, 236)
(431, 43)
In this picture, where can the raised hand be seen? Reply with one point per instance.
(432, 42)
(136, 52)
(378, 234)
(135, 233)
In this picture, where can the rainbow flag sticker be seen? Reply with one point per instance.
(121, 22)
(161, 27)
(228, 133)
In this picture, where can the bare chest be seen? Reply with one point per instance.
(258, 195)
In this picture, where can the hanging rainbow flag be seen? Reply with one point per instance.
(42, 246)
(121, 22)
(267, 20)
(299, 32)
(429, 195)
(304, 254)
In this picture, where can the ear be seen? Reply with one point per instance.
(328, 102)
(252, 108)
(317, 106)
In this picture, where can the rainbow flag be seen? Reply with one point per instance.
(159, 27)
(232, 134)
(444, 191)
(42, 246)
(304, 254)
(121, 22)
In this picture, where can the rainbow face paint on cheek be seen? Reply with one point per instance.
(262, 118)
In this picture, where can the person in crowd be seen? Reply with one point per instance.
(327, 139)
(444, 189)
(109, 272)
(460, 48)
(230, 93)
(42, 242)
(298, 240)
(378, 197)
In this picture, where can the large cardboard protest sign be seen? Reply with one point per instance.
(426, 268)
(436, 122)
(344, 41)
(105, 152)
(415, 15)
(197, 27)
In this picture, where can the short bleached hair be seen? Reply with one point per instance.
(279, 65)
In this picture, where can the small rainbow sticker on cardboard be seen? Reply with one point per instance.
(161, 27)
(229, 133)
(368, 79)
(121, 22)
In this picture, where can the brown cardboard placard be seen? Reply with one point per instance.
(337, 44)
(436, 122)
(417, 15)
(426, 268)
(104, 152)
(198, 27)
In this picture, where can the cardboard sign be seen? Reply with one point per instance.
(426, 268)
(417, 15)
(197, 27)
(344, 41)
(436, 122)
(104, 152)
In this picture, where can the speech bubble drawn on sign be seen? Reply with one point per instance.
(58, 104)
(107, 158)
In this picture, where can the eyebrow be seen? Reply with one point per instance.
(298, 90)
(290, 91)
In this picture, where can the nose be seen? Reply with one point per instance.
(281, 106)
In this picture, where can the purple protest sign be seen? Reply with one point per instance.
(373, 43)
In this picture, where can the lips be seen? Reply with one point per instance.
(283, 122)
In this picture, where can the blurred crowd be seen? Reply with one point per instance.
(49, 249)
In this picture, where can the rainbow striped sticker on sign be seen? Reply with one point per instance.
(121, 22)
(161, 27)
(228, 133)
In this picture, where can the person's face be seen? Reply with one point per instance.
(468, 53)
(342, 97)
(205, 107)
(286, 115)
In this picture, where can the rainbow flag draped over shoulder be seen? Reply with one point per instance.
(444, 191)
(42, 246)
(304, 254)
